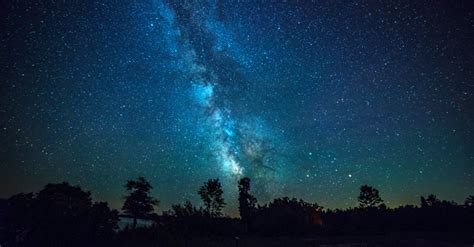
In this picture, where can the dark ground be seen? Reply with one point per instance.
(427, 239)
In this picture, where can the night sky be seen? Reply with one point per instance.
(309, 100)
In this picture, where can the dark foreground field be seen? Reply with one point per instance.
(408, 240)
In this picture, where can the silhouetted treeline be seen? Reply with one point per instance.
(64, 215)
(448, 217)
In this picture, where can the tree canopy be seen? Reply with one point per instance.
(138, 202)
(211, 195)
(369, 197)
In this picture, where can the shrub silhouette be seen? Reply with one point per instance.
(469, 201)
(430, 201)
(185, 210)
(284, 216)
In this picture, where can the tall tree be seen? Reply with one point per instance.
(139, 203)
(369, 197)
(211, 195)
(247, 202)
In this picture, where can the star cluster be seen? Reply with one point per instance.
(308, 99)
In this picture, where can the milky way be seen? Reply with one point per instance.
(308, 99)
(204, 50)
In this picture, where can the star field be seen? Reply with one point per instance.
(308, 99)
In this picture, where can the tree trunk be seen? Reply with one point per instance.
(134, 223)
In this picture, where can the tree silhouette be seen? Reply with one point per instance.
(20, 214)
(430, 201)
(138, 203)
(58, 215)
(469, 201)
(211, 195)
(104, 220)
(369, 197)
(247, 202)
